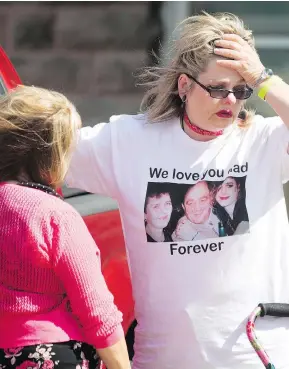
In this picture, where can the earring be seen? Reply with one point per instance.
(183, 99)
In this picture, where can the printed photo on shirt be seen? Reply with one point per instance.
(186, 212)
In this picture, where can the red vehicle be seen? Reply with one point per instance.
(102, 218)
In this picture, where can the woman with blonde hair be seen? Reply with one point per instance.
(192, 298)
(55, 307)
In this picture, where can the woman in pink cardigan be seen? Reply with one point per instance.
(55, 308)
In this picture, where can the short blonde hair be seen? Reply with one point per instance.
(189, 54)
(38, 129)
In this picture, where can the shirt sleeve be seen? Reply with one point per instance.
(76, 261)
(91, 167)
(279, 132)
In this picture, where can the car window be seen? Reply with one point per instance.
(87, 203)
(90, 204)
(2, 87)
(71, 192)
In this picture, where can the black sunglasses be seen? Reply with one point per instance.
(221, 93)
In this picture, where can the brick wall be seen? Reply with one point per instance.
(88, 50)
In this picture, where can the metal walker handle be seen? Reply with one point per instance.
(278, 310)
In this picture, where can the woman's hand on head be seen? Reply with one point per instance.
(243, 58)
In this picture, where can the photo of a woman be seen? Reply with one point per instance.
(230, 206)
(157, 213)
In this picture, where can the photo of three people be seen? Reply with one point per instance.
(206, 209)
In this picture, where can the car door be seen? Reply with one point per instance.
(9, 78)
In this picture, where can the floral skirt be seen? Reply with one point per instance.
(64, 355)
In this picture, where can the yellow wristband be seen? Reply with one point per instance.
(265, 86)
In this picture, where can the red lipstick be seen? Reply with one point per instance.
(224, 113)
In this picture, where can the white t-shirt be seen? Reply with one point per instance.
(193, 297)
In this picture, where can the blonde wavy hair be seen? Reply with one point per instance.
(189, 54)
(38, 129)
